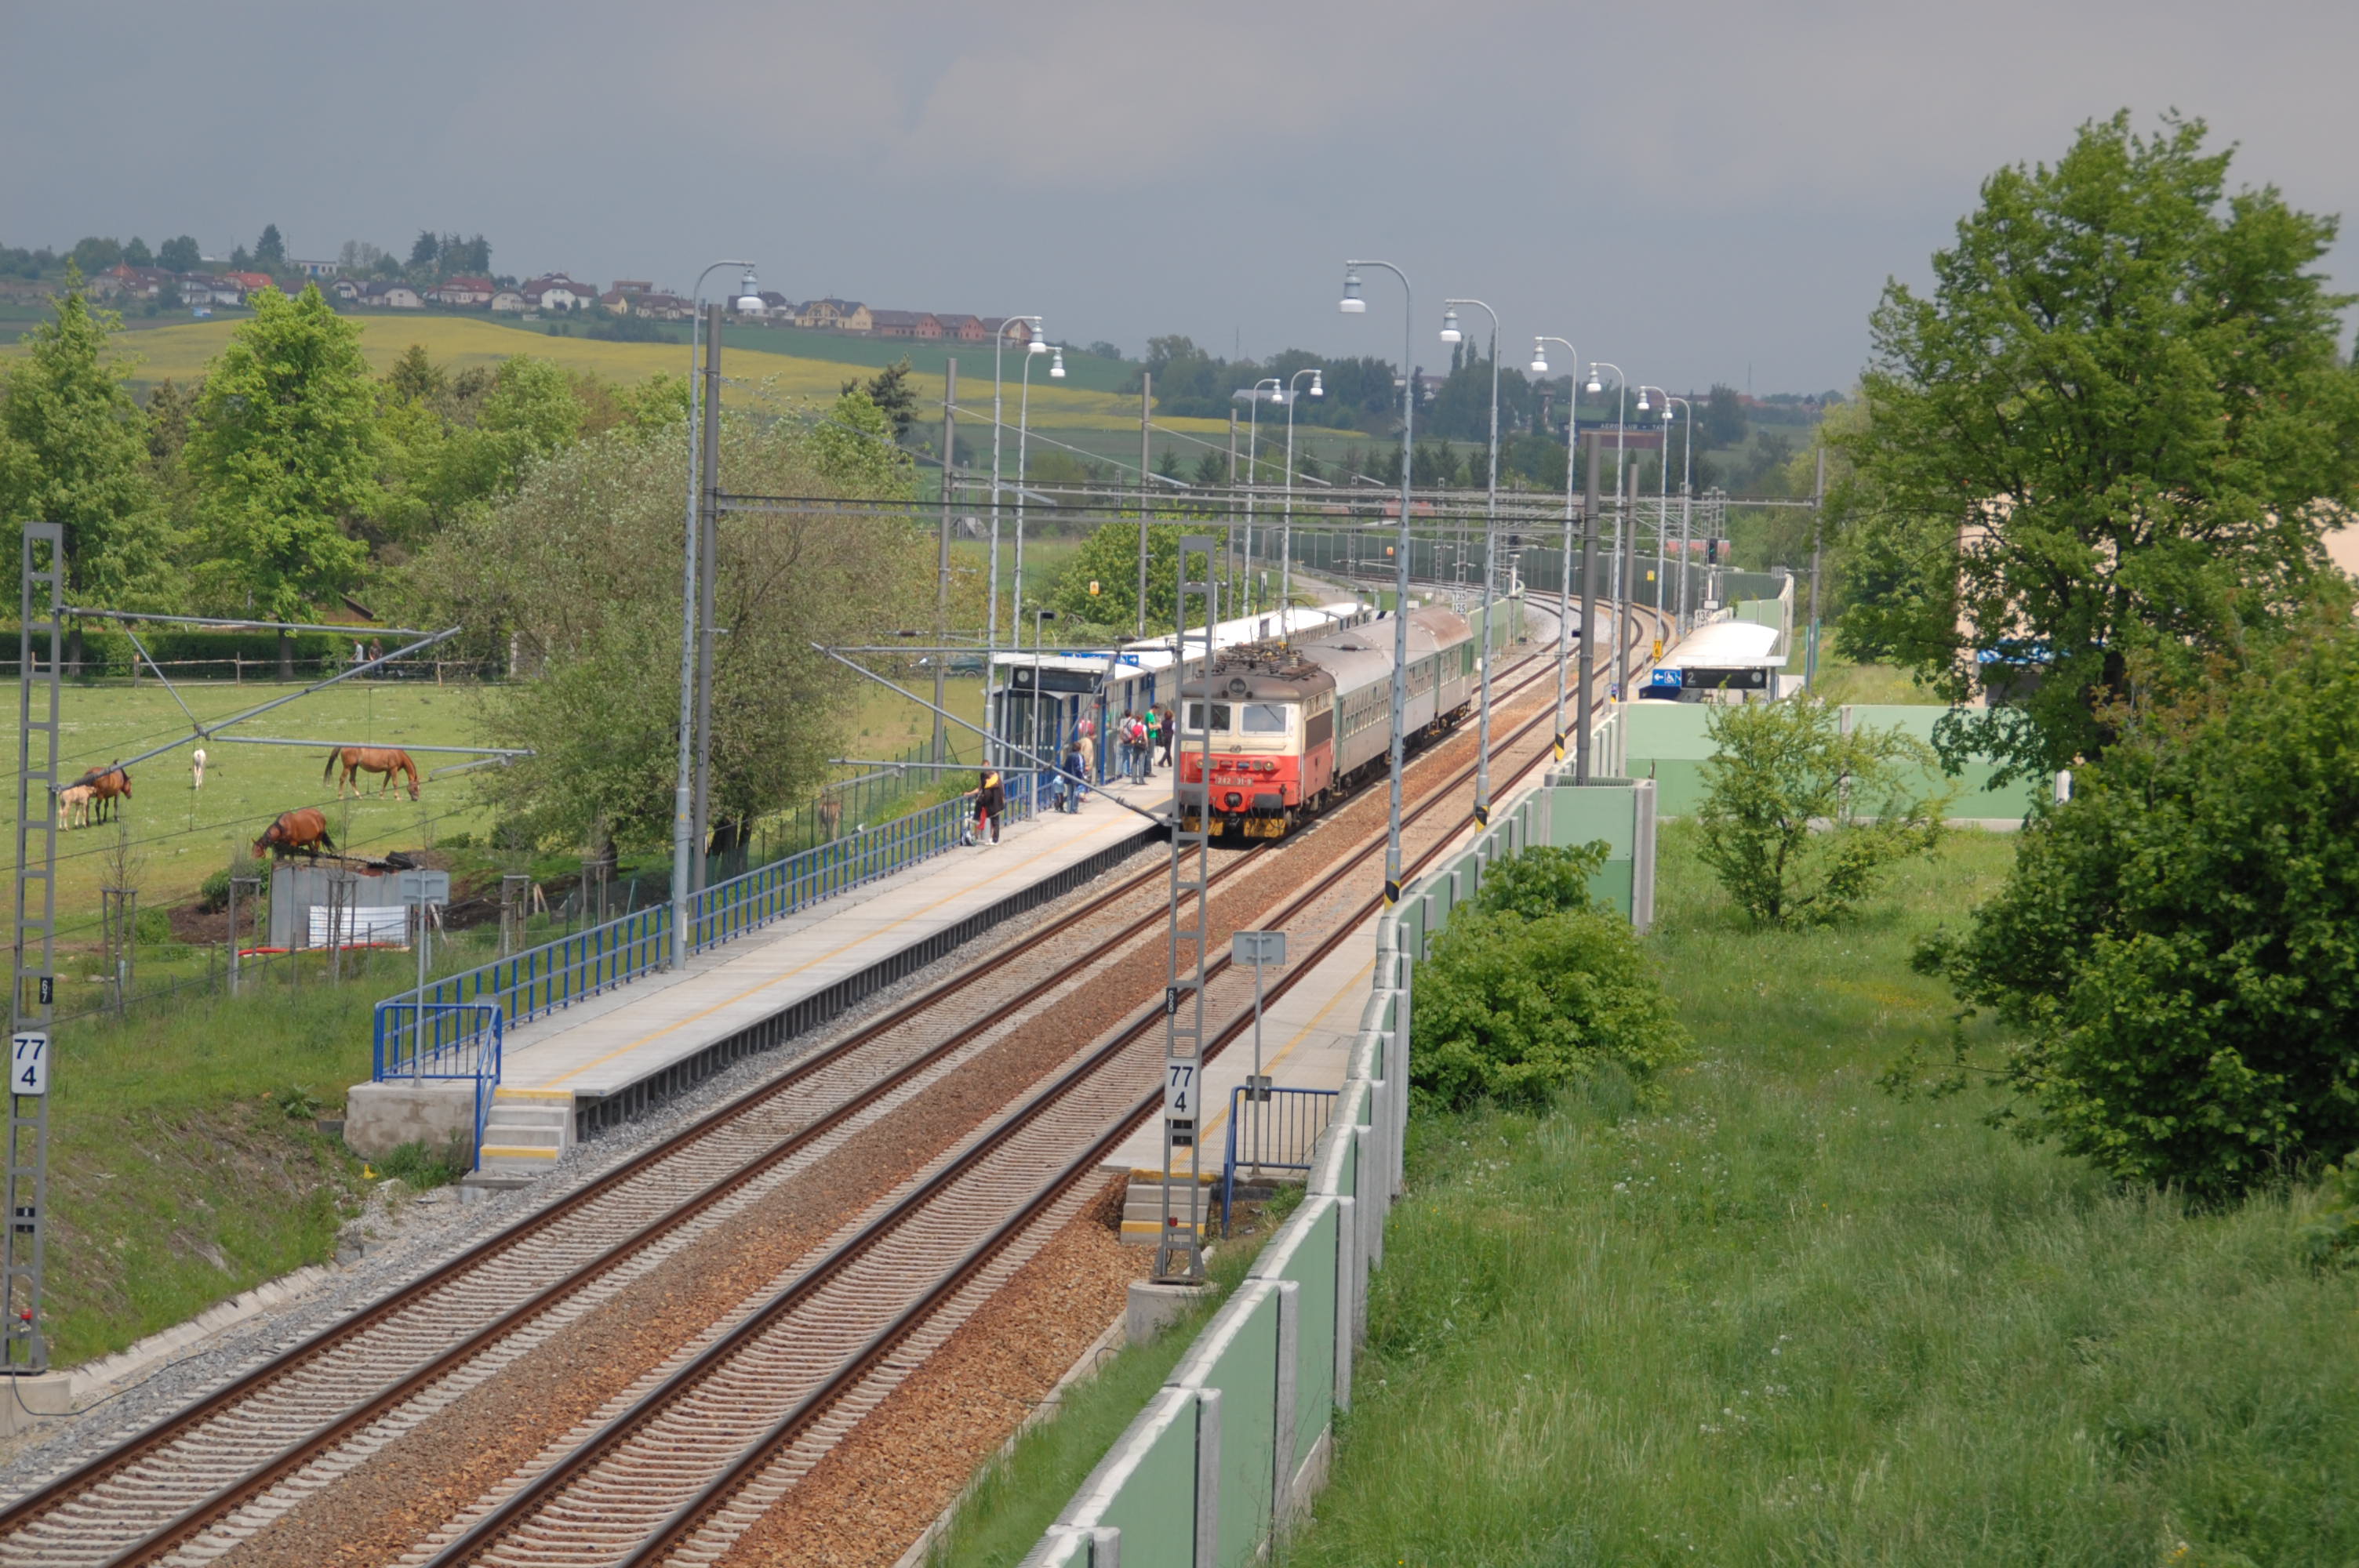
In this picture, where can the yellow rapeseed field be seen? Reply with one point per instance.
(181, 352)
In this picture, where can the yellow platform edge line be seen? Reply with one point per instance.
(532, 1094)
(490, 1149)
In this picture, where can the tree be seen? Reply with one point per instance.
(1800, 820)
(2172, 952)
(284, 448)
(1109, 557)
(1724, 417)
(581, 567)
(94, 255)
(2105, 448)
(136, 252)
(270, 250)
(179, 254)
(1212, 471)
(890, 392)
(1535, 984)
(1103, 350)
(424, 250)
(73, 451)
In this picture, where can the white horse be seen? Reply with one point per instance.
(197, 768)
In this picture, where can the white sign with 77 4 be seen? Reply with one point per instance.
(29, 1063)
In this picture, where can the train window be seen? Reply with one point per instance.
(1220, 717)
(1265, 719)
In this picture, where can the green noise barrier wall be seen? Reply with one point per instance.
(1238, 1439)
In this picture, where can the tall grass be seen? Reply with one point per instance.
(1792, 1320)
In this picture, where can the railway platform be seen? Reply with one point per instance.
(600, 1062)
(1306, 1037)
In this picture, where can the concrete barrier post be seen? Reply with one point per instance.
(1207, 1478)
(1286, 1412)
(1347, 1292)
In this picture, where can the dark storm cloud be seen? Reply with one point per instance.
(1690, 190)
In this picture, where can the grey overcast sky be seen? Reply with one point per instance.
(1699, 191)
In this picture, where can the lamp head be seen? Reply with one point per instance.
(1667, 412)
(1316, 389)
(1353, 305)
(749, 294)
(1036, 346)
(1057, 364)
(1539, 357)
(1643, 403)
(1594, 384)
(1450, 333)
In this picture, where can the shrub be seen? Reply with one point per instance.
(1534, 985)
(152, 927)
(1800, 820)
(213, 896)
(2174, 947)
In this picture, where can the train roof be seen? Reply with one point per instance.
(1296, 624)
(1264, 672)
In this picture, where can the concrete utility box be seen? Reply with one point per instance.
(298, 905)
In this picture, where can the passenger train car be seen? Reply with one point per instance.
(1295, 726)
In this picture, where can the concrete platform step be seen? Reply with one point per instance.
(1142, 1206)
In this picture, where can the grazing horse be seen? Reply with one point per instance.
(196, 769)
(73, 805)
(107, 785)
(306, 830)
(359, 760)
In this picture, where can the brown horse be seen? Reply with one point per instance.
(306, 830)
(359, 760)
(107, 785)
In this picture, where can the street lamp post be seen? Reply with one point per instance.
(1450, 334)
(1662, 496)
(1564, 595)
(1023, 437)
(683, 829)
(1286, 535)
(1687, 498)
(1615, 592)
(991, 630)
(1253, 472)
(1039, 615)
(1353, 305)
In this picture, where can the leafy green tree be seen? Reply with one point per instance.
(73, 451)
(1212, 471)
(179, 254)
(1167, 463)
(579, 569)
(136, 252)
(94, 255)
(1800, 820)
(415, 377)
(1109, 557)
(284, 448)
(1723, 416)
(2106, 446)
(1534, 985)
(424, 250)
(890, 392)
(2173, 952)
(270, 250)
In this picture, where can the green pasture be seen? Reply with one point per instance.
(179, 836)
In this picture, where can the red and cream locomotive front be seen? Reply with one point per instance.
(1269, 750)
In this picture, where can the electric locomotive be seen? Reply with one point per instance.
(1295, 726)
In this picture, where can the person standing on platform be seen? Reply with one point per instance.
(1168, 725)
(1153, 734)
(1076, 779)
(990, 804)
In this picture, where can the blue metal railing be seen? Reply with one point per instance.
(425, 1022)
(1282, 1129)
(443, 1041)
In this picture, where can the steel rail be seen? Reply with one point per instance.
(100, 1468)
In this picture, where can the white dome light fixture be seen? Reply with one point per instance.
(749, 295)
(1450, 333)
(1056, 365)
(1353, 305)
(1539, 358)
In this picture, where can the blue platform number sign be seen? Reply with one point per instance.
(29, 1063)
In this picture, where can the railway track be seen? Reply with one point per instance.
(322, 1407)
